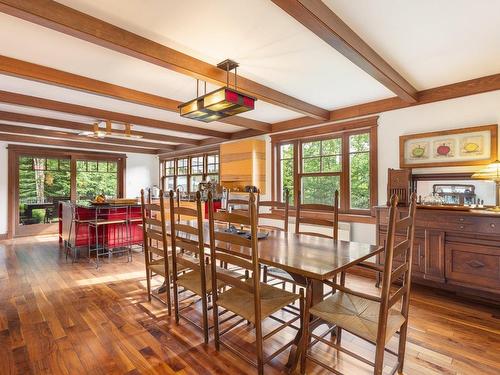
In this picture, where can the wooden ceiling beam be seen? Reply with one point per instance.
(40, 73)
(26, 130)
(67, 20)
(452, 91)
(32, 101)
(74, 144)
(73, 125)
(322, 21)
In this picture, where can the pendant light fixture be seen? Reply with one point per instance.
(107, 131)
(223, 102)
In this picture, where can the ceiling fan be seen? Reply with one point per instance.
(107, 131)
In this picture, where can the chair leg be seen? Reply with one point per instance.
(148, 283)
(169, 301)
(402, 347)
(176, 298)
(379, 359)
(264, 275)
(260, 350)
(205, 317)
(215, 310)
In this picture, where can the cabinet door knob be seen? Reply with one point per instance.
(492, 225)
(475, 264)
(461, 219)
(461, 227)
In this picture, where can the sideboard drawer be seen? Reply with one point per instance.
(473, 265)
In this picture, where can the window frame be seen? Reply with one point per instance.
(297, 139)
(16, 151)
(204, 175)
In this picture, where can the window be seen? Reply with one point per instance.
(318, 166)
(186, 173)
(286, 168)
(96, 177)
(43, 183)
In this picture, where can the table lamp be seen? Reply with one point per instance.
(491, 173)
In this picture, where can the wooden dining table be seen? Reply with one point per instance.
(308, 259)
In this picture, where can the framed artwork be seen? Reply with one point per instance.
(458, 147)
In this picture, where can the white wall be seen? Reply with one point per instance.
(142, 171)
(482, 109)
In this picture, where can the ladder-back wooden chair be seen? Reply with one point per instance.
(156, 251)
(329, 224)
(280, 214)
(241, 202)
(187, 238)
(250, 299)
(372, 318)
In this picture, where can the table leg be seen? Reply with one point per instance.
(314, 294)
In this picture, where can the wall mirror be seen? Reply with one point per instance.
(454, 188)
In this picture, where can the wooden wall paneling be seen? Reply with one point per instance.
(80, 25)
(243, 163)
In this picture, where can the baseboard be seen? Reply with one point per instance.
(3, 236)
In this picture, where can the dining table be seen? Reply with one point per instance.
(309, 259)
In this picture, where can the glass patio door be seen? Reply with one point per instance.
(42, 183)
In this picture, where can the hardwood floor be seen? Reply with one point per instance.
(62, 318)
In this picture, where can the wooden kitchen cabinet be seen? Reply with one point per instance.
(453, 250)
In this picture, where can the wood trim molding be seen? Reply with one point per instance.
(452, 91)
(64, 152)
(72, 144)
(4, 236)
(326, 129)
(40, 73)
(189, 152)
(69, 21)
(369, 125)
(24, 130)
(73, 125)
(322, 21)
(53, 105)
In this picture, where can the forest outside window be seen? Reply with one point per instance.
(187, 172)
(317, 167)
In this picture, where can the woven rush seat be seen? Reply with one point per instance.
(242, 302)
(357, 315)
(192, 280)
(158, 266)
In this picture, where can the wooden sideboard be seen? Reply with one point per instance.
(453, 250)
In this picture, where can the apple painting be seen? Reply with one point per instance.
(443, 150)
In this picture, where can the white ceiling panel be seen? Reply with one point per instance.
(431, 43)
(56, 50)
(271, 47)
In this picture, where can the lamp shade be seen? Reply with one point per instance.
(490, 172)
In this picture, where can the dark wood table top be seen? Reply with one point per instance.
(305, 255)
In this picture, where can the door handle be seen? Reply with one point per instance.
(475, 264)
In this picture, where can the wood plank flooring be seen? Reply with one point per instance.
(62, 318)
